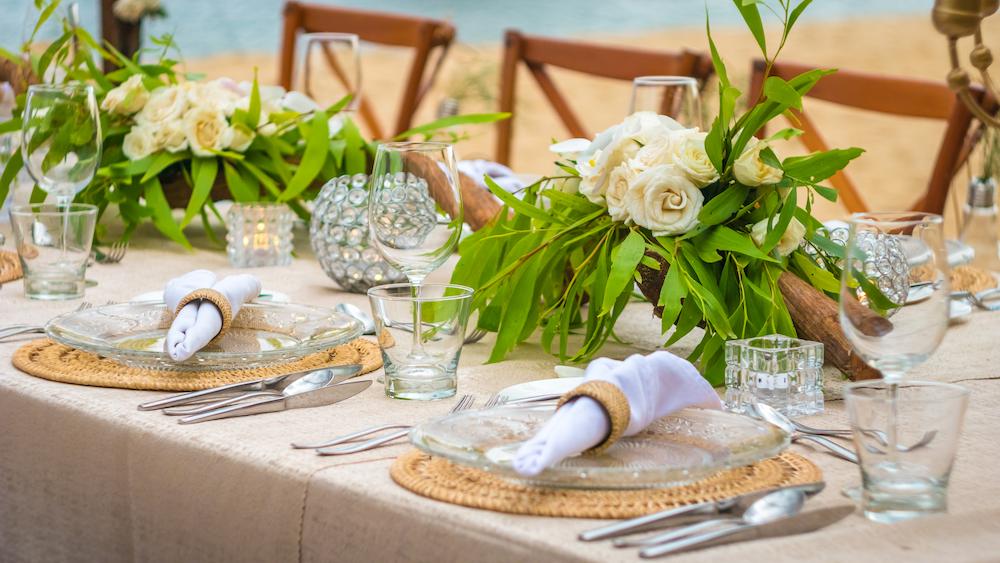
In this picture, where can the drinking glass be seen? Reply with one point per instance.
(53, 244)
(674, 96)
(894, 292)
(415, 206)
(339, 53)
(911, 479)
(61, 138)
(37, 36)
(430, 371)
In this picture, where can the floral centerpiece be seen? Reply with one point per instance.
(171, 137)
(705, 222)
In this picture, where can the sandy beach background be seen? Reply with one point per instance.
(892, 173)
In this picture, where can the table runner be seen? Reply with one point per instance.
(85, 476)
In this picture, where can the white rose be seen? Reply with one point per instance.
(618, 144)
(139, 143)
(790, 239)
(298, 102)
(165, 104)
(663, 200)
(206, 130)
(171, 136)
(211, 95)
(688, 154)
(750, 170)
(240, 137)
(618, 184)
(129, 97)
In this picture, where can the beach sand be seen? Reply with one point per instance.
(891, 174)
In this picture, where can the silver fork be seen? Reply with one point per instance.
(114, 255)
(465, 402)
(475, 336)
(18, 329)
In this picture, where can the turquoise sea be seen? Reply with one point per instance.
(207, 27)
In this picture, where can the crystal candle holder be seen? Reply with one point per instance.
(259, 234)
(782, 372)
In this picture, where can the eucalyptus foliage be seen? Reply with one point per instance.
(555, 261)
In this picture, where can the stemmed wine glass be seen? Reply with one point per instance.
(61, 138)
(339, 53)
(674, 96)
(415, 210)
(894, 297)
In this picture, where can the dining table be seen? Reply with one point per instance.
(86, 476)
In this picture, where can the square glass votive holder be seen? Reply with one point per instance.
(779, 371)
(259, 234)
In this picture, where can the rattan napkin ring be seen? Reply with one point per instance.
(215, 298)
(614, 403)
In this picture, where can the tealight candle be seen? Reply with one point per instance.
(260, 234)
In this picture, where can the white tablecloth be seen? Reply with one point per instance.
(84, 476)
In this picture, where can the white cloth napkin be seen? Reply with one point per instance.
(198, 323)
(502, 175)
(655, 386)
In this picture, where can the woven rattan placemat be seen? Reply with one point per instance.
(49, 360)
(443, 480)
(10, 266)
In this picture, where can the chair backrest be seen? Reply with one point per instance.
(607, 61)
(422, 34)
(905, 97)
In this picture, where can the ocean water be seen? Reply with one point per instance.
(208, 27)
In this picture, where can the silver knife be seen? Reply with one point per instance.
(670, 516)
(317, 398)
(799, 524)
(231, 389)
(296, 383)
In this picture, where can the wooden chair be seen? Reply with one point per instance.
(907, 97)
(622, 63)
(422, 34)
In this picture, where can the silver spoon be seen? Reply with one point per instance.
(366, 320)
(769, 414)
(769, 508)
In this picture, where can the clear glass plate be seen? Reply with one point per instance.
(688, 445)
(261, 334)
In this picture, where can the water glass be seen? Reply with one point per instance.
(259, 234)
(924, 420)
(421, 364)
(674, 96)
(53, 244)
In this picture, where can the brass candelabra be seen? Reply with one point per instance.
(963, 18)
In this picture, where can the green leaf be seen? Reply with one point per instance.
(241, 190)
(723, 206)
(827, 245)
(451, 121)
(203, 172)
(720, 66)
(10, 171)
(672, 295)
(714, 142)
(519, 206)
(160, 162)
(515, 313)
(253, 110)
(794, 16)
(751, 15)
(316, 151)
(785, 134)
(726, 239)
(826, 193)
(784, 218)
(162, 217)
(776, 89)
(769, 158)
(689, 318)
(818, 277)
(816, 167)
(623, 265)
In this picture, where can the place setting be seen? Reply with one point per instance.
(688, 334)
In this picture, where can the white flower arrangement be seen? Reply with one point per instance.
(132, 11)
(196, 115)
